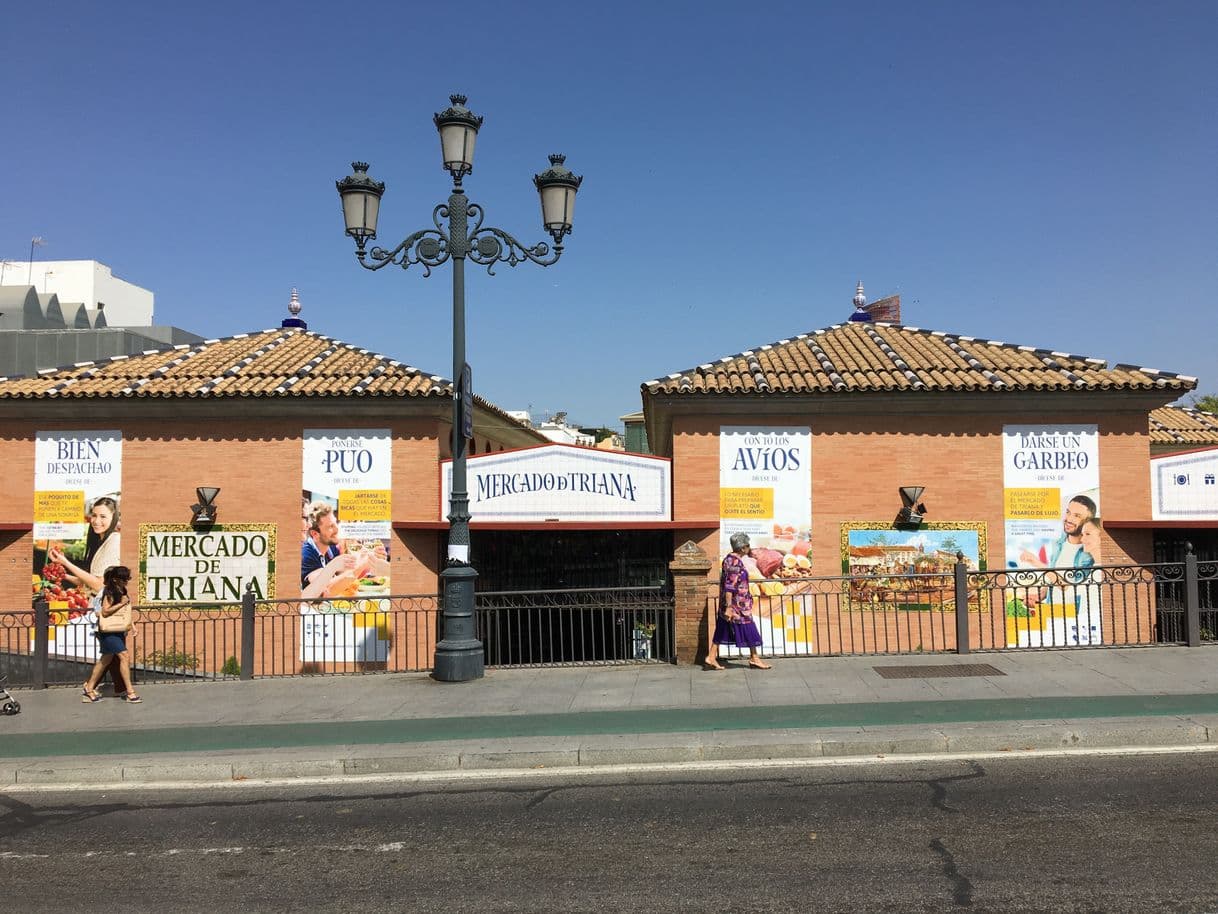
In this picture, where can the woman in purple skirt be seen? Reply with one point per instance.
(734, 623)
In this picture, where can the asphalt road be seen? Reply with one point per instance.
(1108, 834)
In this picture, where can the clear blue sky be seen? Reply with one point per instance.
(1040, 173)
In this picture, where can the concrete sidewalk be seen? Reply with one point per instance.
(802, 708)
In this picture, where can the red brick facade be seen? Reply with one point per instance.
(232, 413)
(860, 461)
(256, 463)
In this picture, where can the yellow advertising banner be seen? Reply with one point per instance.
(374, 620)
(1032, 504)
(752, 502)
(364, 504)
(59, 506)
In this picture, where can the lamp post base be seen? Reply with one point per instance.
(460, 656)
(457, 665)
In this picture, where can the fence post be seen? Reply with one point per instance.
(42, 621)
(689, 567)
(1192, 598)
(960, 572)
(247, 633)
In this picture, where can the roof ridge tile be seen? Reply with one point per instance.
(234, 370)
(884, 355)
(161, 371)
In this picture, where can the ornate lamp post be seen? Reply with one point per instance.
(459, 656)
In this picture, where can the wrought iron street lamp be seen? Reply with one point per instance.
(459, 655)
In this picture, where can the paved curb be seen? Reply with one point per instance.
(589, 752)
(634, 725)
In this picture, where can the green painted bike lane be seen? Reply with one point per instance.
(586, 723)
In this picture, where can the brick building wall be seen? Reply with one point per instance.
(256, 463)
(859, 462)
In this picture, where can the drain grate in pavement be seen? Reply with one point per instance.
(944, 669)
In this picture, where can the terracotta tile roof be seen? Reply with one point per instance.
(287, 362)
(866, 356)
(1183, 425)
(273, 363)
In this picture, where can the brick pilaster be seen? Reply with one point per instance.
(690, 566)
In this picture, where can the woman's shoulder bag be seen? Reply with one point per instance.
(117, 621)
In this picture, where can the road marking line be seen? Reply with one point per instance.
(586, 771)
(390, 848)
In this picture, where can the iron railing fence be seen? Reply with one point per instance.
(1174, 597)
(809, 617)
(17, 664)
(195, 642)
(1104, 606)
(1101, 606)
(1110, 606)
(256, 638)
(395, 634)
(1172, 623)
(606, 625)
(262, 638)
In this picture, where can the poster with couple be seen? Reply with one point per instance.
(1051, 504)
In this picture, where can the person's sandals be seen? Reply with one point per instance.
(88, 695)
(760, 665)
(132, 699)
(715, 665)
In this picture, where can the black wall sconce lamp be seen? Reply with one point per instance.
(912, 509)
(205, 511)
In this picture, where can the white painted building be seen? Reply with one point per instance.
(557, 430)
(521, 415)
(84, 282)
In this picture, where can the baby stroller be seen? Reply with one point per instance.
(8, 704)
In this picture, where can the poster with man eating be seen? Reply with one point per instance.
(346, 527)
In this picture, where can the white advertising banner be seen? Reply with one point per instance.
(765, 490)
(1185, 486)
(341, 636)
(1051, 481)
(71, 471)
(350, 469)
(347, 526)
(559, 482)
(77, 529)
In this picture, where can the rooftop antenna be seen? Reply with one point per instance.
(36, 242)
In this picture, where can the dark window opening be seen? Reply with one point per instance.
(570, 559)
(1170, 547)
(589, 614)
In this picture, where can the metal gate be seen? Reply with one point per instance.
(586, 626)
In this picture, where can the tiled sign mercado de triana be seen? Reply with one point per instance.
(181, 564)
(1051, 479)
(560, 482)
(346, 515)
(1185, 486)
(77, 498)
(765, 490)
